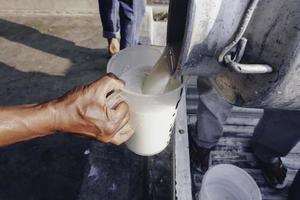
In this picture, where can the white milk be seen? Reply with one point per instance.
(153, 130)
(159, 79)
(152, 117)
(134, 78)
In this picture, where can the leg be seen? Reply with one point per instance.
(274, 137)
(110, 22)
(211, 115)
(140, 8)
(276, 134)
(213, 111)
(109, 18)
(294, 192)
(127, 23)
(131, 14)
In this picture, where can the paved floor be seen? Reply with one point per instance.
(41, 58)
(235, 147)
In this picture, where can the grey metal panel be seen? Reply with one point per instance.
(273, 39)
(182, 181)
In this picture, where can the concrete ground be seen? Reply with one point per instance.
(41, 58)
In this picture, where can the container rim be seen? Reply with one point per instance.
(154, 47)
(232, 167)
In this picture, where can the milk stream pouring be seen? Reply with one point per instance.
(160, 79)
(151, 116)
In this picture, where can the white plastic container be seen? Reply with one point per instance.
(152, 116)
(228, 182)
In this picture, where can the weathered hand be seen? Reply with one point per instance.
(84, 111)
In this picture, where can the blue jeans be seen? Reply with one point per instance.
(212, 113)
(294, 193)
(122, 19)
(275, 135)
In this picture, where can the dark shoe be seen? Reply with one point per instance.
(199, 157)
(275, 173)
(294, 192)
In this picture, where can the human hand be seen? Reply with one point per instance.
(113, 46)
(84, 110)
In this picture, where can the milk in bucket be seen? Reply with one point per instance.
(160, 80)
(152, 116)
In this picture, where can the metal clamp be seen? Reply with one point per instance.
(239, 43)
(232, 61)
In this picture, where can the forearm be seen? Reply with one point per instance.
(18, 123)
(82, 110)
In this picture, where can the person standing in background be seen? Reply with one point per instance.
(121, 19)
(274, 137)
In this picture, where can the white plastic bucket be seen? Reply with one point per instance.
(228, 182)
(152, 116)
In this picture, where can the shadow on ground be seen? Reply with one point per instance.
(62, 166)
(51, 167)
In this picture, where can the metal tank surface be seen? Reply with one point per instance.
(262, 67)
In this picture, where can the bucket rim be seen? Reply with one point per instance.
(242, 171)
(153, 47)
